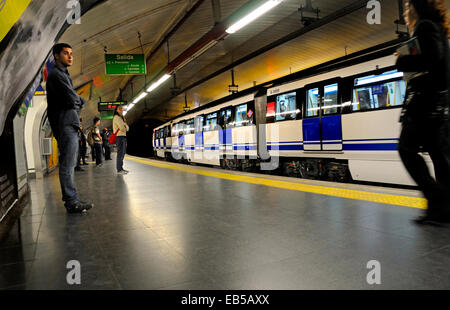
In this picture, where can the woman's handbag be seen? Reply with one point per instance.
(113, 137)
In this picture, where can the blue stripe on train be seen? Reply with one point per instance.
(371, 147)
(285, 147)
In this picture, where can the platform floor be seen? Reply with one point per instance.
(169, 226)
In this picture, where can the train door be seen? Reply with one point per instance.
(199, 139)
(225, 123)
(181, 138)
(322, 123)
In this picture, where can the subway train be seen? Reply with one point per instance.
(338, 122)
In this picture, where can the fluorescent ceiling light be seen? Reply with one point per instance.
(140, 97)
(196, 54)
(159, 82)
(253, 15)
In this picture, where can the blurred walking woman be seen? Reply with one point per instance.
(119, 123)
(425, 124)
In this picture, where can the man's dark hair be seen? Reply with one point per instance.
(57, 48)
(96, 119)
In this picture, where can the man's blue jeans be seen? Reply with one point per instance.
(68, 154)
(121, 143)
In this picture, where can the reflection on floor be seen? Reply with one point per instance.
(159, 228)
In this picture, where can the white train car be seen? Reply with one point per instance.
(340, 124)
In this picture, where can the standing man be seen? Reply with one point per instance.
(80, 132)
(106, 146)
(83, 147)
(63, 107)
(98, 142)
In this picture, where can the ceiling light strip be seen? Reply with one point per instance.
(253, 15)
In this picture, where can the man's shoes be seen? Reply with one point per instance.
(126, 171)
(79, 169)
(122, 172)
(79, 207)
(100, 165)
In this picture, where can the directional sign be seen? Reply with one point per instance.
(110, 106)
(125, 64)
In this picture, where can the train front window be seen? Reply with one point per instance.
(286, 107)
(378, 96)
(312, 105)
(330, 99)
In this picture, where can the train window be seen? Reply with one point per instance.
(211, 122)
(198, 122)
(312, 102)
(179, 129)
(330, 99)
(174, 130)
(244, 116)
(286, 108)
(226, 118)
(167, 131)
(377, 96)
(189, 129)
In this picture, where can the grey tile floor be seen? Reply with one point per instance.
(164, 229)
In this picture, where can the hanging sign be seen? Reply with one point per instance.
(110, 106)
(125, 64)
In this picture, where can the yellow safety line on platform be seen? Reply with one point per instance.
(398, 200)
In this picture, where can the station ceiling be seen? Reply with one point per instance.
(114, 26)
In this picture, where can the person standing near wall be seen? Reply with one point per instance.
(63, 107)
(120, 124)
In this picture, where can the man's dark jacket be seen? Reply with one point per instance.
(63, 101)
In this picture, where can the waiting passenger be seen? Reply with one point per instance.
(119, 123)
(80, 149)
(83, 147)
(425, 113)
(63, 107)
(106, 145)
(98, 142)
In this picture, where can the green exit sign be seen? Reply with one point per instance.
(125, 64)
